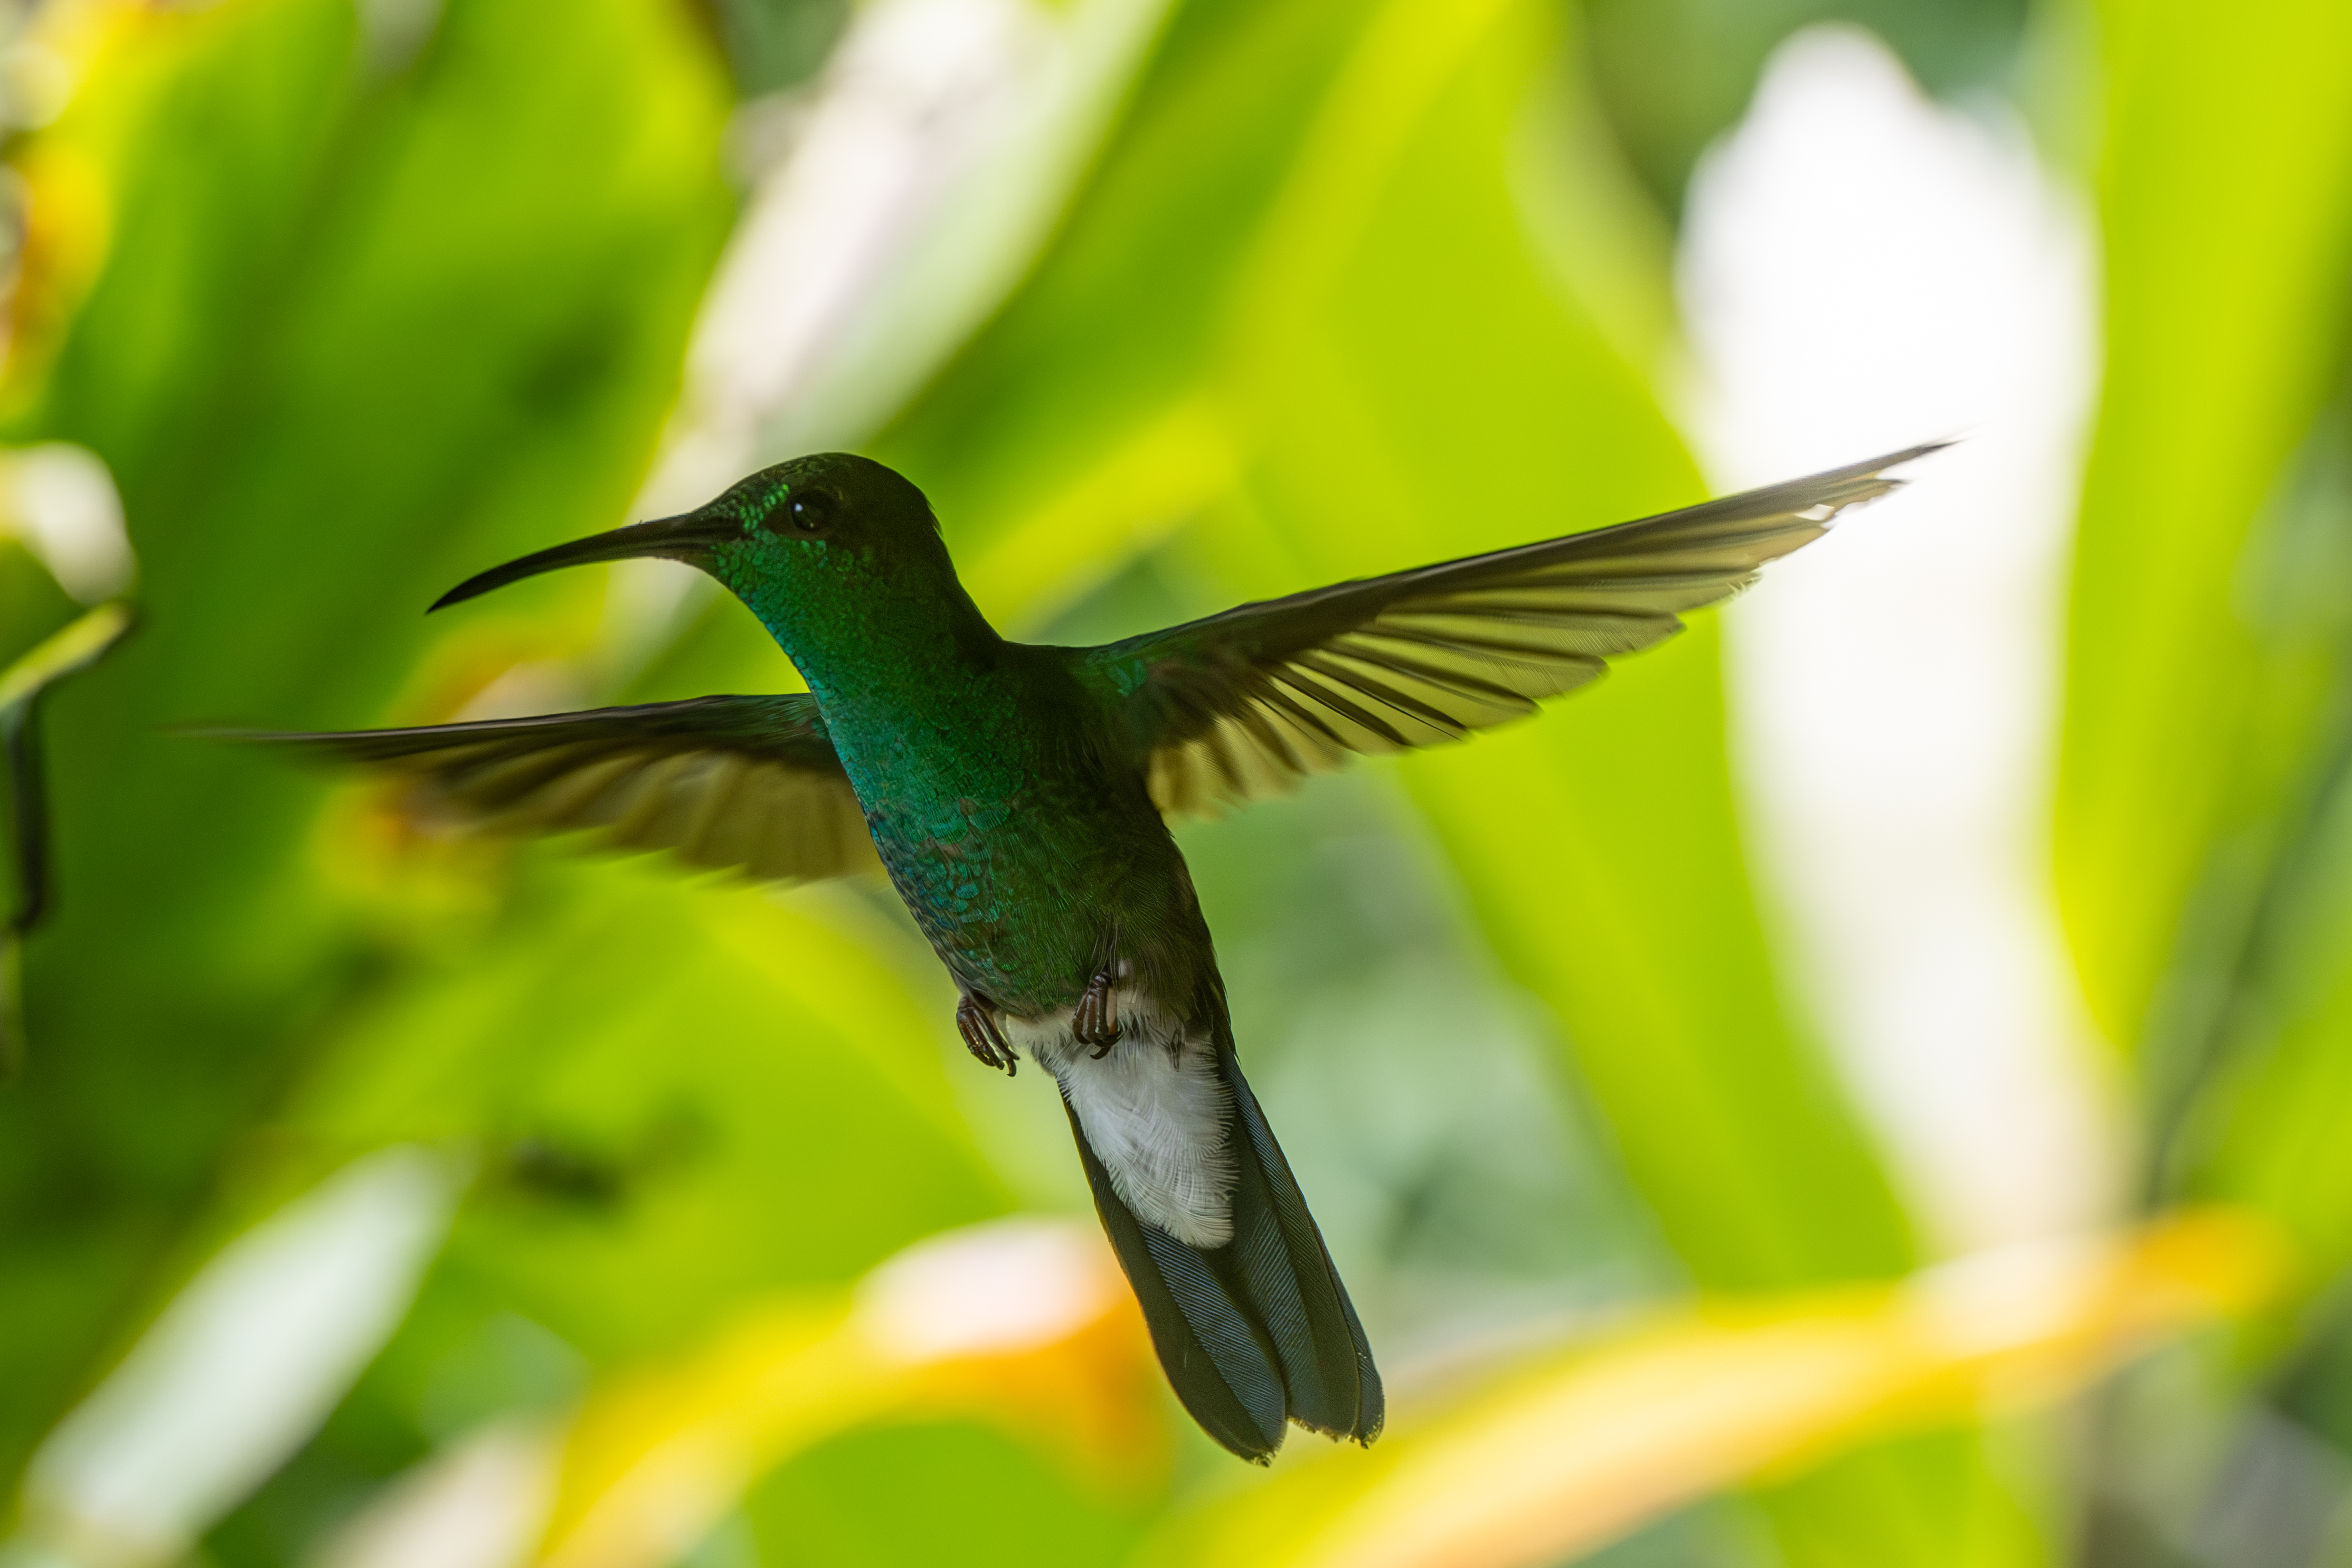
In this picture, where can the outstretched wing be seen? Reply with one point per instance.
(723, 782)
(1240, 705)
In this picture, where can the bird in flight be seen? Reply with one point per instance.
(1018, 795)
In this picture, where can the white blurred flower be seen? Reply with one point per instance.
(60, 500)
(988, 1289)
(1863, 270)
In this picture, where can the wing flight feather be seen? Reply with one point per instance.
(721, 782)
(1241, 705)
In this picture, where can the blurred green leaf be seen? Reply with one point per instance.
(349, 333)
(775, 44)
(990, 1501)
(2226, 197)
(1676, 74)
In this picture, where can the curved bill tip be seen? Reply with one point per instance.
(472, 587)
(688, 538)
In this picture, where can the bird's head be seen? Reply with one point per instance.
(816, 536)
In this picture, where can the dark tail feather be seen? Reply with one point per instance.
(1257, 1330)
(1217, 1356)
(1327, 1366)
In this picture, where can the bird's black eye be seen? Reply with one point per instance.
(812, 510)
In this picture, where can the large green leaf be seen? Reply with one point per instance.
(351, 331)
(2226, 200)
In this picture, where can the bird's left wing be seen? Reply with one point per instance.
(1238, 706)
(723, 782)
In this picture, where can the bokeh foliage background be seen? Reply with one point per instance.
(350, 299)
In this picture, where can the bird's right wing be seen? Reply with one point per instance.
(722, 781)
(1241, 705)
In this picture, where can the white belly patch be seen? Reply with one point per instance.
(1156, 1117)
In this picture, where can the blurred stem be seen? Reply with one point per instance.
(28, 832)
(21, 686)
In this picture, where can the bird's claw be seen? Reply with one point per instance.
(976, 1021)
(1094, 1022)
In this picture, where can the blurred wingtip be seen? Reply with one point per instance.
(306, 748)
(230, 732)
(1874, 468)
(1859, 484)
(1924, 450)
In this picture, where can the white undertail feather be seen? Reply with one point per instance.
(1153, 1111)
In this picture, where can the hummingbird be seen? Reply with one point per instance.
(1018, 796)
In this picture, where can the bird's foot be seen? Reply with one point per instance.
(976, 1021)
(1096, 1020)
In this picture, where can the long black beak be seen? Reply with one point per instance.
(687, 538)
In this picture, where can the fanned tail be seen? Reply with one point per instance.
(1258, 1332)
